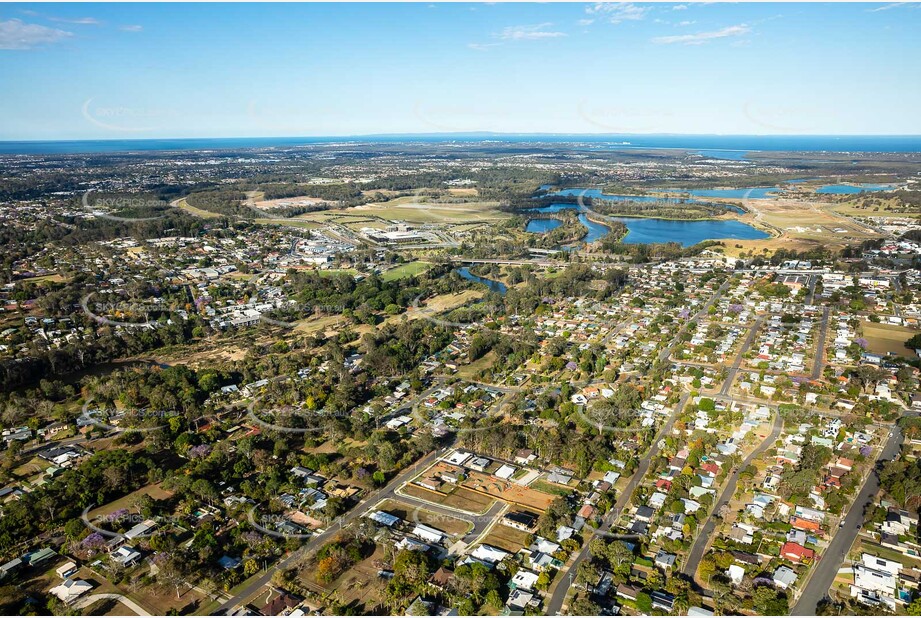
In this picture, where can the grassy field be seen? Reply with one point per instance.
(418, 209)
(507, 538)
(550, 488)
(797, 224)
(883, 338)
(338, 271)
(307, 225)
(468, 372)
(154, 491)
(410, 269)
(198, 212)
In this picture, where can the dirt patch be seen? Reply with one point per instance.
(885, 338)
(507, 538)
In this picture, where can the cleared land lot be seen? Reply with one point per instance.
(507, 538)
(154, 491)
(359, 584)
(884, 338)
(453, 497)
(411, 209)
(453, 526)
(798, 225)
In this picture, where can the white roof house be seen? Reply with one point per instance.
(488, 553)
(524, 579)
(383, 518)
(784, 577)
(735, 573)
(126, 555)
(429, 534)
(70, 590)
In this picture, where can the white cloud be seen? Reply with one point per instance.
(680, 7)
(529, 33)
(586, 22)
(482, 46)
(702, 37)
(686, 23)
(15, 34)
(616, 12)
(131, 28)
(886, 7)
(79, 21)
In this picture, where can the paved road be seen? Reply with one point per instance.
(316, 542)
(667, 352)
(824, 574)
(820, 346)
(87, 601)
(555, 605)
(738, 362)
(480, 522)
(703, 538)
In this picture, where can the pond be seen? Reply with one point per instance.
(542, 226)
(494, 286)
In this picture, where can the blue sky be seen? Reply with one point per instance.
(130, 71)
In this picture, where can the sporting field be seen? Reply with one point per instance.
(403, 271)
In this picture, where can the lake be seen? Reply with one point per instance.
(743, 193)
(648, 231)
(542, 226)
(597, 193)
(494, 286)
(850, 189)
(595, 230)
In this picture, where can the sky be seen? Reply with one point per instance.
(134, 71)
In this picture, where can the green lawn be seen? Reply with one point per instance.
(338, 271)
(409, 269)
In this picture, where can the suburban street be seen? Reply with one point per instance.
(703, 538)
(820, 346)
(555, 605)
(388, 491)
(824, 574)
(734, 370)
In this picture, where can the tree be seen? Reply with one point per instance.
(583, 606)
(914, 342)
(412, 567)
(644, 603)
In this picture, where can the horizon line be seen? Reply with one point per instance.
(460, 133)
